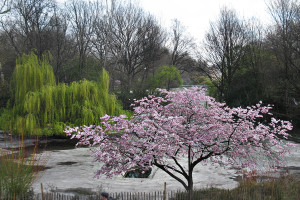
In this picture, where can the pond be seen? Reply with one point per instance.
(71, 170)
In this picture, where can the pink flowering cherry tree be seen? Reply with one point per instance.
(185, 124)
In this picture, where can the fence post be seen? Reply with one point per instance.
(165, 191)
(42, 191)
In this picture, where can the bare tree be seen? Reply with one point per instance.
(41, 26)
(102, 30)
(81, 16)
(181, 47)
(153, 44)
(224, 47)
(134, 38)
(27, 24)
(5, 6)
(283, 42)
(63, 48)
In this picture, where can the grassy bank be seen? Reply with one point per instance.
(284, 188)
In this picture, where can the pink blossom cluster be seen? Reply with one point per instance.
(186, 124)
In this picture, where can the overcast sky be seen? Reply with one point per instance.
(196, 15)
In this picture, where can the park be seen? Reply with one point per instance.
(98, 98)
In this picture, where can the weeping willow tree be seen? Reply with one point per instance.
(31, 74)
(42, 107)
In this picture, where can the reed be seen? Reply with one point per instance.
(18, 170)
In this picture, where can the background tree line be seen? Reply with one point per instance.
(247, 62)
(85, 36)
(240, 60)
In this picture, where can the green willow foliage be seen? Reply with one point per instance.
(42, 107)
(31, 74)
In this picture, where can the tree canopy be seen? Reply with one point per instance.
(166, 77)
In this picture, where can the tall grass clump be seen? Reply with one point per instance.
(16, 176)
(39, 106)
(17, 172)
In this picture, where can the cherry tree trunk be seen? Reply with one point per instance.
(190, 189)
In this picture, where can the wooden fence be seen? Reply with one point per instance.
(157, 195)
